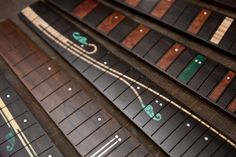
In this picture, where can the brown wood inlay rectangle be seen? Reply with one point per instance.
(84, 8)
(232, 106)
(219, 89)
(199, 21)
(110, 22)
(132, 3)
(161, 8)
(135, 36)
(170, 56)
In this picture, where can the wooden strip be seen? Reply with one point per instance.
(170, 56)
(219, 89)
(135, 36)
(199, 21)
(222, 29)
(161, 8)
(110, 22)
(232, 106)
(132, 3)
(84, 8)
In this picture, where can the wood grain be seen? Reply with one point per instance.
(170, 56)
(61, 96)
(161, 8)
(222, 85)
(84, 8)
(232, 106)
(110, 22)
(132, 3)
(199, 21)
(135, 36)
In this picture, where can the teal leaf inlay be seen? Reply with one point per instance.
(150, 112)
(79, 38)
(11, 140)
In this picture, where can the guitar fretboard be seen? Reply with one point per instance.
(210, 80)
(91, 130)
(20, 133)
(174, 128)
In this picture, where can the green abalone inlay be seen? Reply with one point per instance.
(191, 68)
(11, 140)
(81, 39)
(150, 112)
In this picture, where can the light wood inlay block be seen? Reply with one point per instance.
(84, 8)
(199, 21)
(222, 29)
(161, 8)
(111, 22)
(135, 36)
(170, 56)
(219, 89)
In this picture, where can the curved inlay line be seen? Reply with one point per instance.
(12, 124)
(81, 53)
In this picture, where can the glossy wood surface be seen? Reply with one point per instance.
(199, 21)
(161, 8)
(84, 8)
(170, 56)
(110, 22)
(222, 85)
(135, 36)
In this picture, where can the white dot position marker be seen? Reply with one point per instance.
(156, 101)
(228, 78)
(105, 63)
(176, 50)
(49, 155)
(25, 120)
(138, 87)
(161, 104)
(69, 89)
(49, 68)
(8, 96)
(82, 45)
(205, 13)
(206, 138)
(99, 119)
(188, 125)
(116, 17)
(140, 30)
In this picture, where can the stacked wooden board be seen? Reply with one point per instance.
(210, 80)
(92, 131)
(204, 24)
(174, 128)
